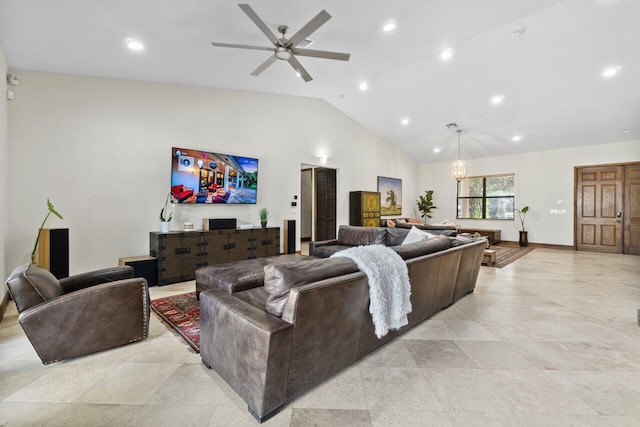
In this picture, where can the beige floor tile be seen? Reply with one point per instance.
(538, 331)
(449, 330)
(438, 354)
(28, 414)
(408, 419)
(469, 419)
(63, 383)
(400, 389)
(129, 383)
(190, 377)
(80, 415)
(16, 374)
(494, 355)
(234, 416)
(468, 390)
(329, 418)
(609, 393)
(162, 349)
(391, 355)
(343, 391)
(534, 392)
(175, 415)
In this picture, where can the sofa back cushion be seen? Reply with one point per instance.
(395, 236)
(280, 278)
(31, 285)
(424, 247)
(349, 235)
(416, 235)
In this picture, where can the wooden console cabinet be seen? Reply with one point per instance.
(364, 208)
(181, 253)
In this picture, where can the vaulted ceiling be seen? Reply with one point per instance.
(550, 77)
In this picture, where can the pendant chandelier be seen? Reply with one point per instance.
(458, 169)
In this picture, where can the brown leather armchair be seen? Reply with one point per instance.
(80, 314)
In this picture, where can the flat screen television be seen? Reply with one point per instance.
(201, 177)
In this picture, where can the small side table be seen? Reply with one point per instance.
(143, 266)
(489, 257)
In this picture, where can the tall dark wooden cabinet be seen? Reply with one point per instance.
(364, 208)
(181, 253)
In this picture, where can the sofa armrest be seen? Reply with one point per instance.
(90, 320)
(319, 243)
(248, 347)
(97, 277)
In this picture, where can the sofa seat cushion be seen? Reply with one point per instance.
(256, 297)
(424, 247)
(239, 276)
(357, 236)
(280, 278)
(327, 251)
(31, 285)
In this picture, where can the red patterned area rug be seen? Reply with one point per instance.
(182, 313)
(506, 254)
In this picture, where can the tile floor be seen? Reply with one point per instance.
(550, 340)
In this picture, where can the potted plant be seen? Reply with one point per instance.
(264, 217)
(524, 240)
(425, 204)
(166, 214)
(51, 210)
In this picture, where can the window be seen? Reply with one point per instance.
(486, 197)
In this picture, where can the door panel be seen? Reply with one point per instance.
(326, 183)
(599, 199)
(631, 214)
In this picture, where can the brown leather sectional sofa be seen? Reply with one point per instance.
(311, 319)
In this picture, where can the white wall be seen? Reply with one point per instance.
(542, 178)
(4, 270)
(100, 150)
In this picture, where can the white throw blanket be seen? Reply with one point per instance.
(389, 288)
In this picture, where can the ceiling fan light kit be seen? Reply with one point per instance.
(287, 49)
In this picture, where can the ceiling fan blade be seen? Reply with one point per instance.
(264, 65)
(299, 68)
(260, 23)
(243, 46)
(311, 26)
(321, 54)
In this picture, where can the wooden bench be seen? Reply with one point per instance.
(493, 235)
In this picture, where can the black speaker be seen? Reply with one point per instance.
(219, 223)
(143, 266)
(289, 236)
(53, 251)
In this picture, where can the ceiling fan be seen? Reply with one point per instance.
(286, 49)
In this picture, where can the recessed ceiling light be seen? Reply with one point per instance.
(611, 71)
(446, 54)
(389, 26)
(497, 99)
(625, 130)
(405, 121)
(134, 44)
(298, 74)
(518, 30)
(364, 86)
(436, 150)
(516, 138)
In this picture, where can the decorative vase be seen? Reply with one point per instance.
(264, 224)
(164, 227)
(524, 240)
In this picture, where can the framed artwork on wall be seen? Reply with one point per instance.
(390, 190)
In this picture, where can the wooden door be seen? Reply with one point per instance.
(598, 206)
(631, 213)
(326, 193)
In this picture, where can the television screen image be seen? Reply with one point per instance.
(201, 177)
